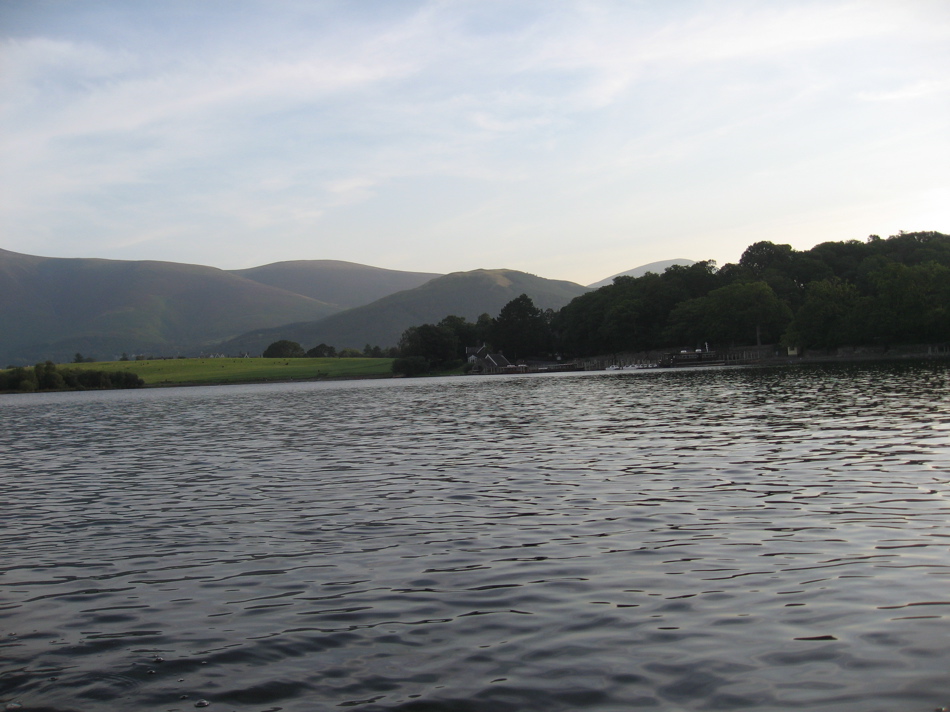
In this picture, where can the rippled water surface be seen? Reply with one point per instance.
(761, 539)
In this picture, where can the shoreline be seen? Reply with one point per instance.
(592, 365)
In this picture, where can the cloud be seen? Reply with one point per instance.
(908, 92)
(597, 117)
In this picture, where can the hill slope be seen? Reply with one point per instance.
(52, 307)
(342, 284)
(655, 267)
(466, 294)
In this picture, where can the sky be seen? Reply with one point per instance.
(572, 139)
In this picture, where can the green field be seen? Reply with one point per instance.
(243, 370)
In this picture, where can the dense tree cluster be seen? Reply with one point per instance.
(633, 314)
(878, 292)
(291, 349)
(48, 377)
(441, 346)
(521, 330)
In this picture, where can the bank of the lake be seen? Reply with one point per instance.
(210, 371)
(234, 371)
(776, 355)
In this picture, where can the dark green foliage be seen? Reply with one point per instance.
(18, 379)
(284, 349)
(763, 257)
(828, 318)
(48, 377)
(410, 366)
(879, 292)
(737, 314)
(521, 330)
(632, 313)
(434, 343)
(322, 351)
(908, 304)
(467, 333)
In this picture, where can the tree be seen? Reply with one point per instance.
(410, 366)
(436, 344)
(322, 351)
(908, 304)
(520, 330)
(18, 379)
(284, 349)
(47, 377)
(483, 328)
(740, 313)
(827, 318)
(762, 256)
(466, 333)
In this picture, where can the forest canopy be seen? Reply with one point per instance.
(878, 292)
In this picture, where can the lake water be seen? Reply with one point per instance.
(754, 539)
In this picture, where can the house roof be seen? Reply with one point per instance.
(498, 360)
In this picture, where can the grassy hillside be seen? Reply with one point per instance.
(343, 284)
(466, 294)
(245, 370)
(52, 307)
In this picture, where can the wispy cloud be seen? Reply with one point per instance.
(121, 132)
(908, 92)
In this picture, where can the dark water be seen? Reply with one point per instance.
(709, 540)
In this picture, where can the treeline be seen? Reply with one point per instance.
(49, 377)
(879, 292)
(291, 349)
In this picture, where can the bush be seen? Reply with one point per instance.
(47, 377)
(284, 349)
(322, 351)
(410, 366)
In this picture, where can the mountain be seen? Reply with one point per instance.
(656, 267)
(342, 284)
(51, 308)
(465, 294)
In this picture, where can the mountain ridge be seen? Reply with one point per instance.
(53, 307)
(342, 284)
(465, 294)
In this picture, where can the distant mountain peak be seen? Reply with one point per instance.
(656, 267)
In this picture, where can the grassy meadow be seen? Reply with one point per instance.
(181, 371)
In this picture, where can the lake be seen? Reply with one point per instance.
(719, 539)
